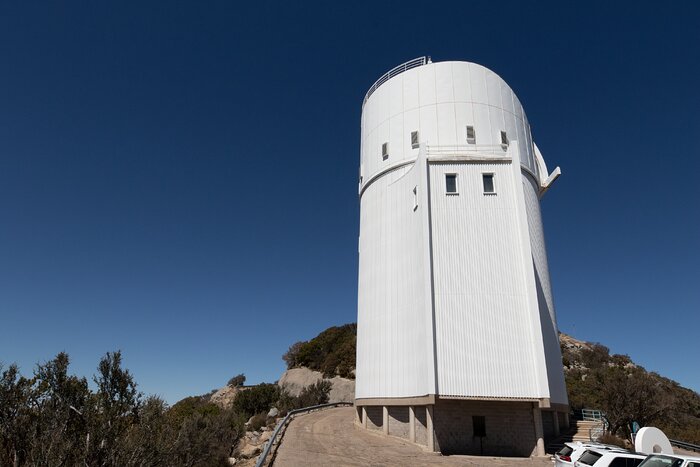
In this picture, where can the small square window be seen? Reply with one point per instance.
(471, 135)
(504, 140)
(479, 426)
(451, 183)
(385, 151)
(414, 139)
(489, 185)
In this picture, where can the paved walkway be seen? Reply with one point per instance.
(330, 438)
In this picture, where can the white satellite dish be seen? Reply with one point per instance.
(650, 440)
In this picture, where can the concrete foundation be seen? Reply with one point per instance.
(473, 427)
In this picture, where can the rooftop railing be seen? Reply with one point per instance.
(416, 62)
(467, 150)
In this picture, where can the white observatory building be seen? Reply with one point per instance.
(457, 345)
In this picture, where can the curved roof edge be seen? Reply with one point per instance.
(397, 70)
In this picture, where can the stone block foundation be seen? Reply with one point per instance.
(473, 427)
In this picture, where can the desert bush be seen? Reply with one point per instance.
(314, 394)
(54, 418)
(331, 352)
(236, 381)
(257, 399)
(291, 356)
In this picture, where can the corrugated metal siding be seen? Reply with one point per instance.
(392, 361)
(484, 345)
(555, 376)
(487, 331)
(440, 100)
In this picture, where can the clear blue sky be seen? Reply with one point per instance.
(178, 180)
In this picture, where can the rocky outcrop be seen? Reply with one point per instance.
(296, 379)
(224, 397)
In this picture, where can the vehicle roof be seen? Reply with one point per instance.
(592, 444)
(678, 456)
(624, 454)
(605, 450)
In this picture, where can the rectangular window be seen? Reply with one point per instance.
(479, 424)
(471, 135)
(414, 139)
(504, 140)
(489, 186)
(385, 151)
(451, 183)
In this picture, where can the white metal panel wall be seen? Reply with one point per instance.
(391, 356)
(550, 333)
(447, 96)
(484, 342)
(490, 323)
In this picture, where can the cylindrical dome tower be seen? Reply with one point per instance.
(455, 312)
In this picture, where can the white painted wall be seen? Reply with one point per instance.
(440, 100)
(489, 328)
(391, 354)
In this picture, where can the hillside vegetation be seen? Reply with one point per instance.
(53, 418)
(626, 392)
(332, 352)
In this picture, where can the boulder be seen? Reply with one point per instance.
(273, 412)
(249, 450)
(224, 397)
(296, 379)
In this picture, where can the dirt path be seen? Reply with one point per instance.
(330, 438)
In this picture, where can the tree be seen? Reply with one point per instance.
(290, 357)
(117, 403)
(236, 381)
(60, 427)
(257, 399)
(16, 398)
(627, 396)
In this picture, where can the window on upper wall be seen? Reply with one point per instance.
(385, 151)
(489, 184)
(471, 135)
(414, 139)
(451, 184)
(504, 140)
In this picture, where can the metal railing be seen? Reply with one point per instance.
(596, 431)
(279, 429)
(416, 62)
(684, 445)
(589, 414)
(467, 149)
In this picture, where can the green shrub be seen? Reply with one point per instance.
(331, 352)
(236, 381)
(257, 399)
(314, 394)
